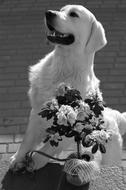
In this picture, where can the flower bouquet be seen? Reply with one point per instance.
(82, 120)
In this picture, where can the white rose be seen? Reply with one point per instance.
(62, 119)
(72, 116)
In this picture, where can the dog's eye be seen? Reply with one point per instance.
(73, 14)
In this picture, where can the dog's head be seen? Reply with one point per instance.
(74, 24)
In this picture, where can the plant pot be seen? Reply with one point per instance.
(81, 171)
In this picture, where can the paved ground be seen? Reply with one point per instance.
(113, 178)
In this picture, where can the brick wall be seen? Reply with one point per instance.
(23, 43)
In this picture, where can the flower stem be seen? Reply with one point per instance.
(78, 149)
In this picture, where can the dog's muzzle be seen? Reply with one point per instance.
(53, 35)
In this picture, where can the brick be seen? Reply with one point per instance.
(121, 59)
(105, 60)
(113, 86)
(112, 101)
(117, 78)
(0, 156)
(17, 89)
(13, 97)
(24, 76)
(15, 113)
(25, 104)
(123, 100)
(13, 147)
(3, 148)
(113, 93)
(102, 73)
(3, 90)
(102, 78)
(121, 65)
(118, 72)
(6, 83)
(11, 105)
(108, 54)
(14, 120)
(9, 76)
(15, 69)
(93, 4)
(6, 138)
(1, 121)
(21, 82)
(6, 156)
(18, 138)
(22, 129)
(9, 130)
(103, 66)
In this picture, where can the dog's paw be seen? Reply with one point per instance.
(26, 163)
(16, 162)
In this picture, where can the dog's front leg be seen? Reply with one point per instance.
(40, 160)
(35, 131)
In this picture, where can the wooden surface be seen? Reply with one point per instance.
(48, 178)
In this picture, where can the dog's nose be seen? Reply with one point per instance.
(50, 15)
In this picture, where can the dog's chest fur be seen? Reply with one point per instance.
(69, 68)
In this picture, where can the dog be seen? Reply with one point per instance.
(77, 35)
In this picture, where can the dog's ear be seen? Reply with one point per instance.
(97, 38)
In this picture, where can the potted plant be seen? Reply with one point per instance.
(82, 119)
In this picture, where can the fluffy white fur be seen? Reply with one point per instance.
(72, 64)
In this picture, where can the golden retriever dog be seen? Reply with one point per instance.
(77, 36)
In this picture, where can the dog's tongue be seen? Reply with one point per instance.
(60, 38)
(64, 39)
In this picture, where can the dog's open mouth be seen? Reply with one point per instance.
(59, 38)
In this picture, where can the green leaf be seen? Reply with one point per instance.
(87, 143)
(54, 143)
(102, 148)
(44, 113)
(46, 139)
(49, 116)
(95, 148)
(70, 134)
